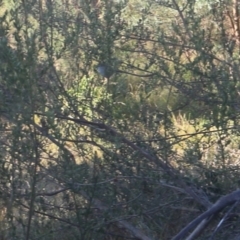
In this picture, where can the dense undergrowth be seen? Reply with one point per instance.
(137, 155)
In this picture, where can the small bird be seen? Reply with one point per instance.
(105, 70)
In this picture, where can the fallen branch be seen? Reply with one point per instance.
(215, 209)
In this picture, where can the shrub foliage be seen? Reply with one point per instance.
(135, 155)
